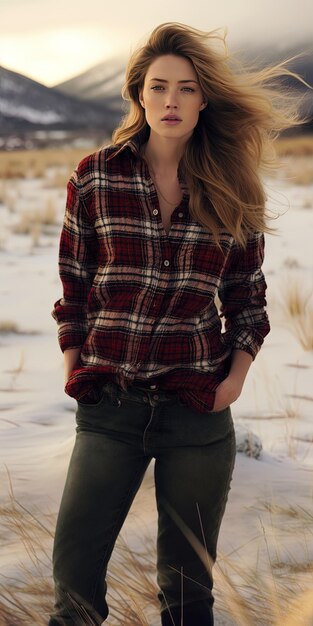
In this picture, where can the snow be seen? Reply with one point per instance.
(7, 107)
(276, 406)
(9, 84)
(105, 78)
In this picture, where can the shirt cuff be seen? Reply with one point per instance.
(247, 340)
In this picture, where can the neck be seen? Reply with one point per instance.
(163, 154)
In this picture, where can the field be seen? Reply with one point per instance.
(264, 573)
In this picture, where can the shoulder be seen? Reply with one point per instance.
(94, 162)
(109, 159)
(110, 168)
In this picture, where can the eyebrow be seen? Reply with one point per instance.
(161, 80)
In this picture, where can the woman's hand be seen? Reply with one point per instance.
(230, 388)
(226, 393)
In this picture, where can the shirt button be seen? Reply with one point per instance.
(155, 211)
(166, 262)
(180, 214)
(155, 397)
(153, 386)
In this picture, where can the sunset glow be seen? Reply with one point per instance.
(52, 56)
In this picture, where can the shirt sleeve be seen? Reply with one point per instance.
(242, 294)
(77, 268)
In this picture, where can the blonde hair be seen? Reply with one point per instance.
(232, 141)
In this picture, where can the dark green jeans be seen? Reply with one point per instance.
(116, 440)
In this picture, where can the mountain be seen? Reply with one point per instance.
(26, 105)
(101, 84)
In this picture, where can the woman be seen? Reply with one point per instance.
(158, 224)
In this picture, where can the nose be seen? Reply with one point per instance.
(171, 101)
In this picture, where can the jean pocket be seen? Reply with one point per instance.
(94, 397)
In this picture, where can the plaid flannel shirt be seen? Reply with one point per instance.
(140, 304)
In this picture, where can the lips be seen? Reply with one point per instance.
(171, 118)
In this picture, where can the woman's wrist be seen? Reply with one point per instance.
(240, 366)
(71, 357)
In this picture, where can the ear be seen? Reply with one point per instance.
(141, 100)
(203, 105)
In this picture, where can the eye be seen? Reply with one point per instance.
(157, 87)
(189, 89)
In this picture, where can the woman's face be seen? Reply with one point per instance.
(171, 88)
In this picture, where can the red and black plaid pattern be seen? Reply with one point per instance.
(141, 303)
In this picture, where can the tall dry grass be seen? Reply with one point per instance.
(25, 163)
(298, 170)
(297, 308)
(47, 216)
(299, 145)
(295, 162)
(37, 222)
(8, 326)
(34, 163)
(245, 596)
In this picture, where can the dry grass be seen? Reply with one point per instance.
(302, 328)
(36, 222)
(15, 373)
(28, 598)
(296, 297)
(248, 596)
(26, 163)
(281, 406)
(259, 598)
(58, 180)
(297, 307)
(3, 191)
(28, 219)
(295, 512)
(8, 326)
(294, 161)
(299, 171)
(34, 163)
(297, 146)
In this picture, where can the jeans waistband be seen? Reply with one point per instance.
(139, 392)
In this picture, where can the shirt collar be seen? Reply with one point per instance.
(134, 144)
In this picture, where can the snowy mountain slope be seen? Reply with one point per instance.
(27, 105)
(101, 83)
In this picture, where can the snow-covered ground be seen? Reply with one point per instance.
(270, 497)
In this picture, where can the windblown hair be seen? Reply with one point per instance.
(232, 141)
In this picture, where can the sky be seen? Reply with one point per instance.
(54, 40)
